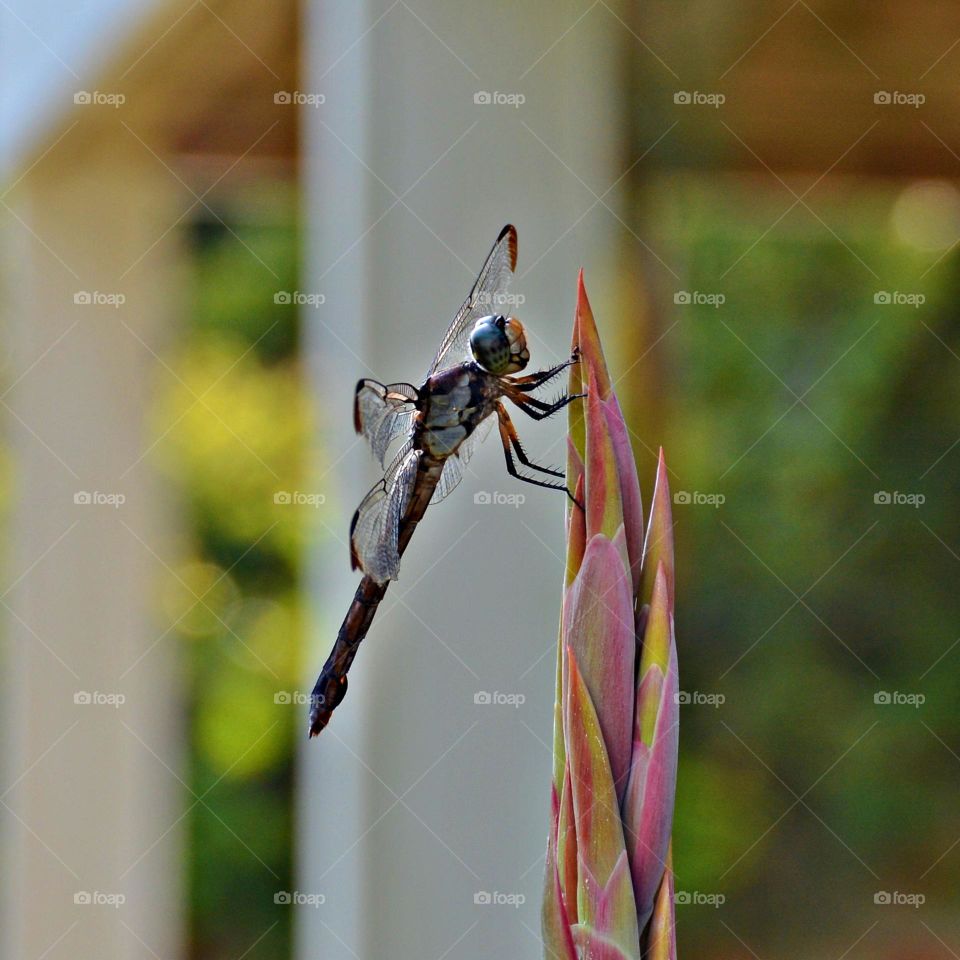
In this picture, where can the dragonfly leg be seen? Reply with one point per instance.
(507, 424)
(533, 380)
(539, 410)
(510, 440)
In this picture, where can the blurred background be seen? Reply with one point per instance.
(216, 216)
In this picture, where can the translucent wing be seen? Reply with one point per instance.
(376, 524)
(455, 465)
(484, 299)
(382, 413)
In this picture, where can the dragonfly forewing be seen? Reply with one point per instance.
(486, 297)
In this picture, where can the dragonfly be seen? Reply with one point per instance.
(439, 425)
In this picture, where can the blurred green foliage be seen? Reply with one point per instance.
(800, 597)
(233, 423)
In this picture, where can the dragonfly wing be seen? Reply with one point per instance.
(383, 412)
(485, 298)
(456, 464)
(375, 528)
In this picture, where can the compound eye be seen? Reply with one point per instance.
(490, 344)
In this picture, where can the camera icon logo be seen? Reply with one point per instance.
(282, 696)
(482, 898)
(882, 297)
(682, 496)
(82, 698)
(82, 498)
(482, 497)
(882, 897)
(82, 898)
(283, 497)
(482, 697)
(882, 96)
(882, 496)
(882, 696)
(682, 96)
(282, 897)
(82, 96)
(682, 297)
(683, 697)
(282, 96)
(283, 296)
(482, 97)
(82, 298)
(681, 897)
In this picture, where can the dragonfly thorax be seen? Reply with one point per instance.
(499, 344)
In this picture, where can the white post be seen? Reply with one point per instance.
(332, 807)
(90, 798)
(417, 800)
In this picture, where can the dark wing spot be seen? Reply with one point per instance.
(354, 556)
(511, 231)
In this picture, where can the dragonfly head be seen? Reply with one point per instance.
(499, 344)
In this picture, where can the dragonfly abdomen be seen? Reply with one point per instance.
(331, 685)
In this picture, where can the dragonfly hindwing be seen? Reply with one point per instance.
(375, 529)
(382, 413)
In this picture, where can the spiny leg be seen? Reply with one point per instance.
(507, 433)
(533, 380)
(539, 410)
(508, 425)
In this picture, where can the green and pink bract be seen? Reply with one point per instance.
(609, 882)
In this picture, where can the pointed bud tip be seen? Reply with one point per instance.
(658, 542)
(588, 339)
